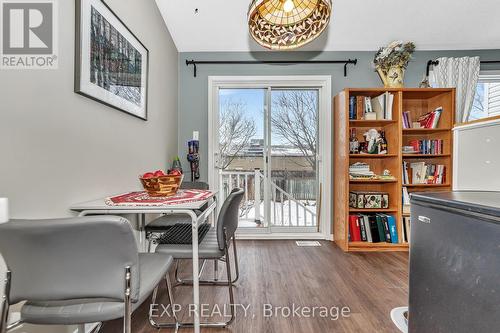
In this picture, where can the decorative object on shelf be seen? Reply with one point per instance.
(368, 200)
(361, 171)
(382, 143)
(287, 24)
(386, 175)
(391, 62)
(363, 148)
(353, 142)
(370, 116)
(376, 143)
(111, 64)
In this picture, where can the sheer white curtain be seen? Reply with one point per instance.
(459, 73)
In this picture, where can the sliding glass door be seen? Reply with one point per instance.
(267, 143)
(293, 143)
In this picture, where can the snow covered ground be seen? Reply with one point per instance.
(287, 214)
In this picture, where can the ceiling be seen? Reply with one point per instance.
(356, 25)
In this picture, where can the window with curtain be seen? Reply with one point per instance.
(487, 99)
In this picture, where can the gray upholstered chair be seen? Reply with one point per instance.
(214, 246)
(155, 229)
(78, 270)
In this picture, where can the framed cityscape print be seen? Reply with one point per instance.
(111, 64)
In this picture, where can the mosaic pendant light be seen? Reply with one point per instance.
(287, 24)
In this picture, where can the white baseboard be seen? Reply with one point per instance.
(282, 236)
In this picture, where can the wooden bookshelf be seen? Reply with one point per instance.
(418, 102)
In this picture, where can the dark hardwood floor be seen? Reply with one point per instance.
(280, 274)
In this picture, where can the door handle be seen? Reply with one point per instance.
(424, 219)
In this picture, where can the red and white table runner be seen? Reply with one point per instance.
(143, 199)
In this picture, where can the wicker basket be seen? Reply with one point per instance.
(163, 186)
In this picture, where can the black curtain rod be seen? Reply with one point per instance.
(267, 62)
(436, 62)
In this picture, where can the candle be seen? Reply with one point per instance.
(4, 210)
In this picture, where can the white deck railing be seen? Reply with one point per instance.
(285, 209)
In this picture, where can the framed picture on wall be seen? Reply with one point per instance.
(111, 64)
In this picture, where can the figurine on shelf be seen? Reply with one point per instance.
(386, 175)
(376, 143)
(382, 143)
(371, 138)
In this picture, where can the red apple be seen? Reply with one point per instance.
(148, 175)
(175, 172)
(159, 173)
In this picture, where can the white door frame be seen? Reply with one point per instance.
(323, 83)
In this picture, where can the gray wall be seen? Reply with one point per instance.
(59, 148)
(193, 92)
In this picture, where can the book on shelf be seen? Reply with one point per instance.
(406, 119)
(428, 120)
(354, 228)
(376, 108)
(425, 147)
(382, 106)
(366, 224)
(406, 201)
(406, 229)
(423, 173)
(352, 107)
(373, 228)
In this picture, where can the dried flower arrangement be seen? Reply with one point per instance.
(391, 61)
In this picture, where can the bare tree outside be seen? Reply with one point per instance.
(295, 120)
(235, 132)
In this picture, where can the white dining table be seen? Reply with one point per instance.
(100, 207)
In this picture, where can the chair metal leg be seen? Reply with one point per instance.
(230, 285)
(127, 316)
(216, 269)
(177, 325)
(4, 316)
(236, 265)
(152, 322)
(215, 281)
(96, 329)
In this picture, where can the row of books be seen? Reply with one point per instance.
(373, 228)
(423, 173)
(381, 106)
(427, 147)
(428, 120)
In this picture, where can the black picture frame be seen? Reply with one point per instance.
(84, 87)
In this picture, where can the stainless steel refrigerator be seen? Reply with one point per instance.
(455, 262)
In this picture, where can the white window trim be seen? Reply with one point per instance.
(323, 82)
